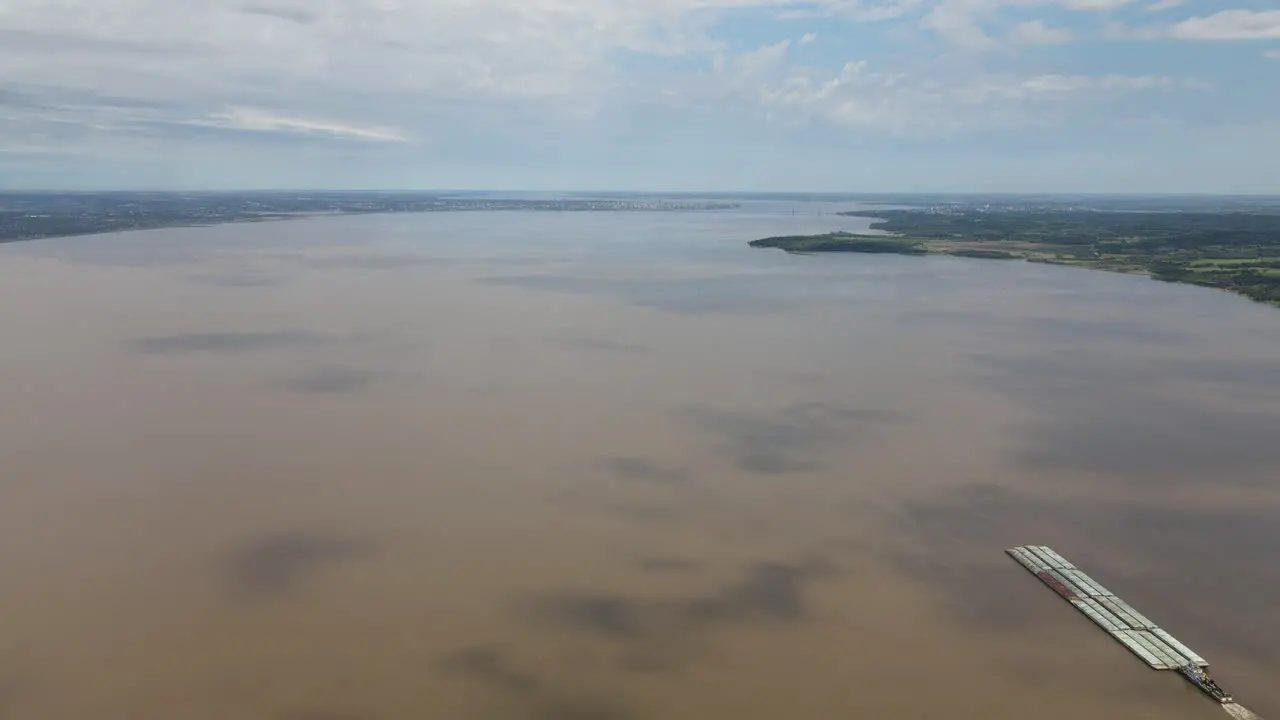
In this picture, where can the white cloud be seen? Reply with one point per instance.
(1117, 30)
(23, 149)
(881, 10)
(259, 120)
(1271, 54)
(762, 58)
(958, 21)
(1094, 5)
(1035, 32)
(314, 58)
(538, 48)
(1060, 84)
(388, 71)
(857, 10)
(1230, 25)
(930, 100)
(964, 23)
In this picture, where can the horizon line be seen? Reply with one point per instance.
(832, 193)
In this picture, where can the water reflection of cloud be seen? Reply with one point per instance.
(724, 294)
(638, 469)
(1097, 413)
(534, 696)
(490, 666)
(276, 563)
(790, 440)
(331, 380)
(667, 632)
(236, 279)
(227, 342)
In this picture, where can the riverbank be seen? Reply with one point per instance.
(1237, 252)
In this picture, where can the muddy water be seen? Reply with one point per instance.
(616, 467)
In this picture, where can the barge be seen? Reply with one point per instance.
(1130, 628)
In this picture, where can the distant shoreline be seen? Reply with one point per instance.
(167, 225)
(1237, 252)
(27, 217)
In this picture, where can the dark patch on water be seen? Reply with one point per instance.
(1068, 372)
(612, 616)
(788, 284)
(277, 563)
(646, 471)
(664, 633)
(979, 514)
(1132, 420)
(791, 440)
(227, 342)
(535, 697)
(769, 590)
(668, 565)
(752, 294)
(334, 380)
(491, 667)
(986, 596)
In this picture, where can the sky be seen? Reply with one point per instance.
(770, 95)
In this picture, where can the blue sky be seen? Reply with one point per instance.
(823, 95)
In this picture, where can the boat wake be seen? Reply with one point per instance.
(1240, 712)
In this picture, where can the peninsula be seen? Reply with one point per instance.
(1234, 251)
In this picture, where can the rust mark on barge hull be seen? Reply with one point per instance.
(1057, 585)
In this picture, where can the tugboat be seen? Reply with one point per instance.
(1201, 679)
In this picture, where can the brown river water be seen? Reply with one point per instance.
(616, 466)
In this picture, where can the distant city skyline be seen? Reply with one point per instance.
(843, 96)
